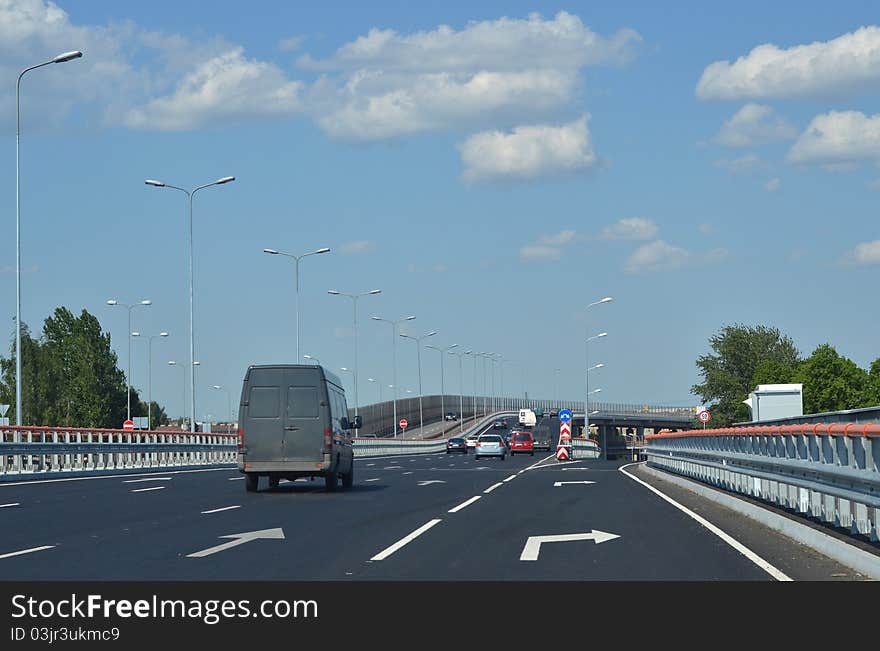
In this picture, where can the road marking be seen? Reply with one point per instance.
(408, 473)
(26, 551)
(428, 482)
(730, 540)
(144, 490)
(370, 464)
(532, 548)
(465, 504)
(240, 539)
(385, 553)
(557, 484)
(374, 479)
(3, 506)
(225, 508)
(236, 479)
(510, 478)
(136, 481)
(31, 482)
(493, 487)
(393, 467)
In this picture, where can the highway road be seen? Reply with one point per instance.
(421, 517)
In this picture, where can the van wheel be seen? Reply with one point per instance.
(331, 481)
(251, 482)
(273, 482)
(348, 478)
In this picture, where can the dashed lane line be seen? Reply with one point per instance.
(224, 508)
(144, 490)
(385, 553)
(6, 506)
(465, 504)
(27, 551)
(493, 487)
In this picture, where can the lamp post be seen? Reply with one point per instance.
(150, 375)
(296, 259)
(556, 387)
(192, 337)
(314, 359)
(379, 386)
(601, 301)
(354, 300)
(394, 325)
(460, 388)
(418, 341)
(174, 364)
(61, 58)
(228, 403)
(113, 303)
(442, 352)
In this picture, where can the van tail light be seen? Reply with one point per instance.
(240, 438)
(328, 437)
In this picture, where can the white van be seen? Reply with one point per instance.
(527, 418)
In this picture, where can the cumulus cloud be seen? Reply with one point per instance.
(739, 166)
(224, 88)
(838, 137)
(358, 246)
(754, 124)
(387, 84)
(772, 185)
(845, 66)
(630, 228)
(662, 256)
(529, 152)
(867, 253)
(548, 247)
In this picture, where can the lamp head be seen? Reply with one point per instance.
(163, 334)
(155, 183)
(333, 291)
(270, 251)
(112, 301)
(146, 302)
(67, 56)
(375, 291)
(225, 179)
(324, 250)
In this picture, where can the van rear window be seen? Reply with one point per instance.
(302, 402)
(263, 402)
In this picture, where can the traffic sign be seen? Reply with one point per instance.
(565, 431)
(3, 409)
(704, 416)
(129, 424)
(403, 423)
(565, 415)
(562, 453)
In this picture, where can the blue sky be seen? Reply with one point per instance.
(492, 177)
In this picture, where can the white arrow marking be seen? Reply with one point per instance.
(533, 545)
(431, 481)
(240, 539)
(557, 484)
(26, 551)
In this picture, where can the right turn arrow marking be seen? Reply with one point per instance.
(533, 545)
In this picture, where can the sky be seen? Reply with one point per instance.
(492, 167)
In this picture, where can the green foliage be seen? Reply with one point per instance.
(739, 351)
(70, 376)
(832, 382)
(772, 371)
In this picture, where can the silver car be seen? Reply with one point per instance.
(490, 445)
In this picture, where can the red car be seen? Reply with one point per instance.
(522, 442)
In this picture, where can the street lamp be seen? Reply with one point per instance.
(192, 337)
(394, 325)
(150, 375)
(587, 375)
(474, 355)
(372, 413)
(460, 388)
(556, 387)
(354, 299)
(228, 403)
(418, 341)
(113, 303)
(61, 58)
(174, 364)
(442, 352)
(315, 359)
(296, 259)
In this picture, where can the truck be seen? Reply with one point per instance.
(527, 418)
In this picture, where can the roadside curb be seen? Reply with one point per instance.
(838, 550)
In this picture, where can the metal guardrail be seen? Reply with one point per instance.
(826, 471)
(584, 449)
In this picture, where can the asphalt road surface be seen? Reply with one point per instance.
(439, 516)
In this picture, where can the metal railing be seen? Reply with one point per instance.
(826, 471)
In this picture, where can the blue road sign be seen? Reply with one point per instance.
(565, 415)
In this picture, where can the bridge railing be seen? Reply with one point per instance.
(826, 471)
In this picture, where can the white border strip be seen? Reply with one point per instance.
(738, 546)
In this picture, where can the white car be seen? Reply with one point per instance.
(472, 440)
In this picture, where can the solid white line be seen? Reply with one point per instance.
(135, 481)
(385, 553)
(730, 540)
(225, 508)
(3, 484)
(3, 506)
(493, 487)
(144, 490)
(376, 479)
(236, 478)
(465, 504)
(511, 477)
(26, 551)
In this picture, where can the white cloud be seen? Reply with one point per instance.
(358, 246)
(772, 185)
(739, 166)
(291, 43)
(662, 256)
(867, 253)
(548, 247)
(387, 84)
(754, 124)
(224, 88)
(845, 66)
(630, 228)
(529, 152)
(838, 137)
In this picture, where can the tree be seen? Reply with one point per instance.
(772, 371)
(832, 382)
(873, 393)
(728, 373)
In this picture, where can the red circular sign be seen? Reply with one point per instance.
(403, 423)
(704, 416)
(129, 424)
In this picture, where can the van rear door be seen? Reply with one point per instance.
(262, 422)
(306, 414)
